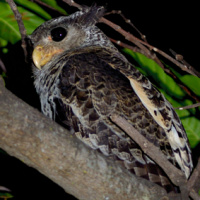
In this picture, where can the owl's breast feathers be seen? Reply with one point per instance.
(95, 83)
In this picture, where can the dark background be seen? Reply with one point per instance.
(166, 25)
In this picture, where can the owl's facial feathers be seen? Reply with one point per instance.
(62, 34)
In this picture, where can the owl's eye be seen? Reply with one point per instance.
(58, 34)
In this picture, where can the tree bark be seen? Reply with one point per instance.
(46, 146)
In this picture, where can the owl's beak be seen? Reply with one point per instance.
(42, 55)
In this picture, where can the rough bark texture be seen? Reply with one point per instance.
(44, 145)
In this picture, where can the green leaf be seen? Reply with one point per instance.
(9, 27)
(30, 20)
(6, 195)
(53, 4)
(3, 42)
(192, 82)
(34, 8)
(155, 72)
(192, 127)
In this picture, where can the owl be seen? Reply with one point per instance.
(82, 79)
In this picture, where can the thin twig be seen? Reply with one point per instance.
(188, 107)
(136, 49)
(165, 55)
(184, 66)
(72, 3)
(22, 29)
(167, 71)
(142, 44)
(127, 35)
(128, 21)
(188, 68)
(2, 66)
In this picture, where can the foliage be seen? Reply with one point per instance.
(9, 27)
(33, 15)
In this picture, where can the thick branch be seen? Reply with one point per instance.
(39, 142)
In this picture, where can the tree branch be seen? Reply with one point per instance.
(188, 107)
(22, 29)
(39, 142)
(2, 66)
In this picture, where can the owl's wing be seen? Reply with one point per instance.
(161, 111)
(96, 83)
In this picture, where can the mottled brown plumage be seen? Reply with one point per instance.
(82, 80)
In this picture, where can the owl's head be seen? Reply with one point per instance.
(67, 33)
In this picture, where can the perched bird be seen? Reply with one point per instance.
(82, 79)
